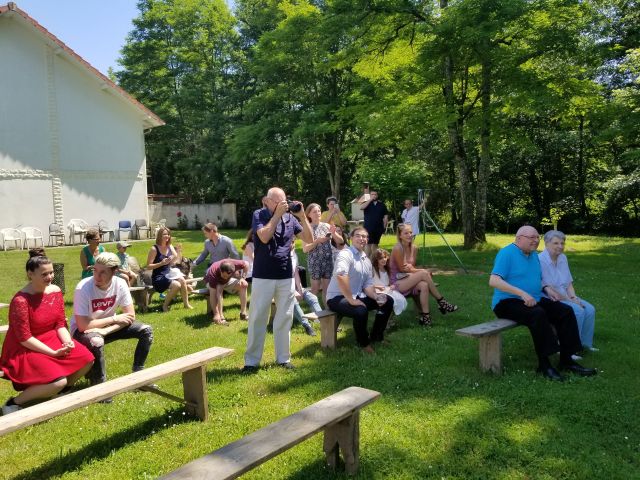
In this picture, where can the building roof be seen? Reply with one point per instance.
(150, 119)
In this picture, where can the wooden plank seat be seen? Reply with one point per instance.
(489, 335)
(329, 321)
(194, 383)
(337, 415)
(142, 295)
(3, 329)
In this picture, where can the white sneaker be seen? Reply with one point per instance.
(575, 358)
(593, 349)
(7, 409)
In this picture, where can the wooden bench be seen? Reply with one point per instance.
(142, 295)
(194, 383)
(337, 415)
(3, 329)
(489, 335)
(329, 321)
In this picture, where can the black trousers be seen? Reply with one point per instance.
(539, 319)
(360, 317)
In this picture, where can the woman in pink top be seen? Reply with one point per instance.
(410, 280)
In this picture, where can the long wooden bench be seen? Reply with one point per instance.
(329, 321)
(489, 335)
(194, 383)
(337, 415)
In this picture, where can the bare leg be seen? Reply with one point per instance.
(325, 286)
(242, 293)
(185, 293)
(73, 378)
(171, 293)
(37, 392)
(315, 286)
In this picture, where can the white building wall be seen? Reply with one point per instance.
(69, 147)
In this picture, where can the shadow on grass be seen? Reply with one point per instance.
(104, 447)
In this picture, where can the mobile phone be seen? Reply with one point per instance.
(328, 235)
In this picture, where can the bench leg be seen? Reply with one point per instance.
(491, 353)
(328, 331)
(194, 384)
(344, 436)
(141, 299)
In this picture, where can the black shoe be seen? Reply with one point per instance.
(287, 365)
(106, 400)
(551, 373)
(309, 329)
(248, 369)
(577, 369)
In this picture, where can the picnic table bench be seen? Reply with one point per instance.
(337, 415)
(194, 383)
(489, 335)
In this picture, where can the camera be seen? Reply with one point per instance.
(294, 206)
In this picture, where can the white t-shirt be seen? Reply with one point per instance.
(412, 216)
(93, 302)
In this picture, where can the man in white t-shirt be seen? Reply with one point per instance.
(95, 322)
(411, 215)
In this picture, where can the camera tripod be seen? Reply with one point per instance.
(426, 221)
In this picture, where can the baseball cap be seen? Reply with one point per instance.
(123, 244)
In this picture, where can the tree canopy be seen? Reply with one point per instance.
(505, 112)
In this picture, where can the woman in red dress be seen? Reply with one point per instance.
(38, 354)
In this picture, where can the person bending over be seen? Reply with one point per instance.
(227, 276)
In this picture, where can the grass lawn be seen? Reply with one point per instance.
(438, 417)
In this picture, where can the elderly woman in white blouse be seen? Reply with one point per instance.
(558, 285)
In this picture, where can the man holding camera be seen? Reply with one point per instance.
(275, 227)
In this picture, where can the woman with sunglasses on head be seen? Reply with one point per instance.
(410, 280)
(90, 251)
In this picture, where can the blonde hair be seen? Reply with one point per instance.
(161, 233)
(108, 259)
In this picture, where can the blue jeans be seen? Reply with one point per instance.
(311, 300)
(586, 318)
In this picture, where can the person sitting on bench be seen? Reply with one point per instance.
(227, 276)
(351, 292)
(517, 282)
(95, 322)
(38, 354)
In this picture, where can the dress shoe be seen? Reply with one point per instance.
(287, 366)
(249, 369)
(551, 373)
(577, 369)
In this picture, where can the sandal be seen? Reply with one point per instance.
(446, 307)
(425, 319)
(243, 316)
(221, 321)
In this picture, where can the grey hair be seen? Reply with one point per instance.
(551, 234)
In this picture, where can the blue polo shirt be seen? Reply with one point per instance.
(517, 269)
(272, 260)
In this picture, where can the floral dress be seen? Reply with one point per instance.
(320, 259)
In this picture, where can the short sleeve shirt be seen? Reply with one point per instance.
(412, 216)
(517, 269)
(223, 249)
(374, 216)
(93, 302)
(272, 260)
(357, 266)
(213, 276)
(557, 275)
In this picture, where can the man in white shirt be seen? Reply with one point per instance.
(411, 215)
(95, 323)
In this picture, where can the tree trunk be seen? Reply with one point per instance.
(581, 170)
(485, 149)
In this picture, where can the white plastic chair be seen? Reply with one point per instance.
(56, 232)
(105, 229)
(32, 233)
(77, 226)
(155, 226)
(141, 226)
(11, 235)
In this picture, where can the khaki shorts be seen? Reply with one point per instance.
(232, 285)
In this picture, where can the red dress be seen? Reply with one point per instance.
(39, 316)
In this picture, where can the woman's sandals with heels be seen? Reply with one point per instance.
(425, 319)
(446, 307)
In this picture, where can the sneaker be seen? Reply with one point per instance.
(575, 358)
(106, 401)
(309, 329)
(162, 296)
(7, 409)
(244, 316)
(593, 349)
(287, 366)
(152, 387)
(249, 369)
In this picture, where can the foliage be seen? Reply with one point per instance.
(438, 416)
(500, 109)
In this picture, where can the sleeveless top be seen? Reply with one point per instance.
(163, 270)
(90, 259)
